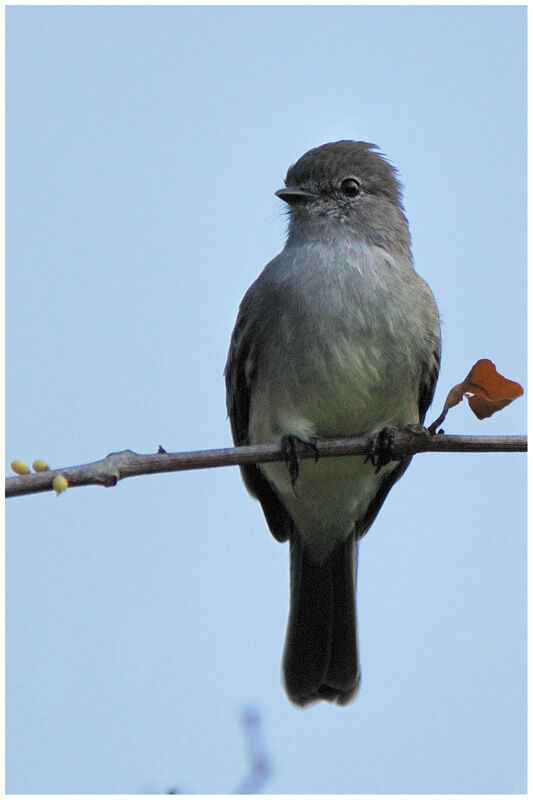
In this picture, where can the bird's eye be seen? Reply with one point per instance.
(350, 187)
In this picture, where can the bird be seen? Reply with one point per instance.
(338, 336)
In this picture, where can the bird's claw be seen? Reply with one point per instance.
(292, 449)
(289, 445)
(312, 446)
(380, 450)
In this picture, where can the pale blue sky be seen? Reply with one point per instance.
(144, 146)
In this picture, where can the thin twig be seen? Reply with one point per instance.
(126, 464)
(260, 768)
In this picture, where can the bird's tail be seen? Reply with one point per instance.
(320, 660)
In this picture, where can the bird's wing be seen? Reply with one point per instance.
(239, 374)
(427, 385)
(425, 396)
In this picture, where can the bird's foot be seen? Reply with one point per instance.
(293, 448)
(380, 450)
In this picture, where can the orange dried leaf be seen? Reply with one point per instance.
(455, 396)
(487, 391)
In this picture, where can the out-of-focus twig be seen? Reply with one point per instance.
(260, 769)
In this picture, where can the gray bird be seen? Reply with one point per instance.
(338, 336)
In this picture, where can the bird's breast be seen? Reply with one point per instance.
(337, 355)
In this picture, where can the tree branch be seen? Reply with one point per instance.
(126, 464)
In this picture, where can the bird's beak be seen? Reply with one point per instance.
(293, 195)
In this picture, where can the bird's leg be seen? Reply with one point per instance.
(293, 448)
(379, 453)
